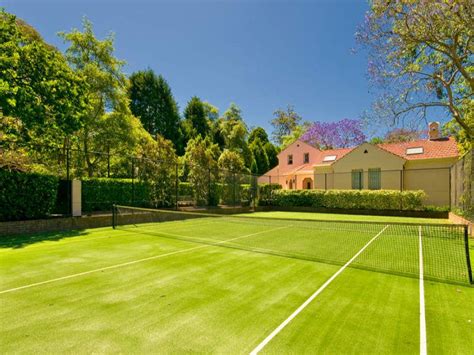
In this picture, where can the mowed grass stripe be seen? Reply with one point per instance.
(361, 312)
(133, 262)
(208, 300)
(122, 246)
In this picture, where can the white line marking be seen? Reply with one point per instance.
(312, 297)
(133, 262)
(423, 350)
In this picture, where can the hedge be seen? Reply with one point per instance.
(26, 195)
(99, 194)
(265, 193)
(351, 199)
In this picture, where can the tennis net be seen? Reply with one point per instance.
(396, 249)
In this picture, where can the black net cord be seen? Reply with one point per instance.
(468, 258)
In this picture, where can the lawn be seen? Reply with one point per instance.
(219, 286)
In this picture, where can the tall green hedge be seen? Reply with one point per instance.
(350, 199)
(26, 195)
(99, 194)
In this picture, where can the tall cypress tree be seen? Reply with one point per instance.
(196, 118)
(152, 101)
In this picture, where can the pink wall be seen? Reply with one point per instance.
(297, 149)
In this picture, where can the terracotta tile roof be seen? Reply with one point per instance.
(436, 149)
(339, 153)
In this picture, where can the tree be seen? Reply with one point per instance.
(421, 58)
(37, 86)
(331, 135)
(201, 158)
(235, 132)
(231, 161)
(402, 135)
(260, 157)
(296, 134)
(272, 154)
(153, 103)
(284, 122)
(259, 133)
(94, 61)
(158, 169)
(195, 118)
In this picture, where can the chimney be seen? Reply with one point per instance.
(433, 132)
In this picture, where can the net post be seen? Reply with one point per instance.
(114, 214)
(468, 259)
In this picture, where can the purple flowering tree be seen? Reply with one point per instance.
(331, 135)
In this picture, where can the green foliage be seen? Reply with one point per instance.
(37, 86)
(260, 157)
(153, 103)
(351, 199)
(201, 159)
(265, 193)
(272, 154)
(284, 123)
(259, 133)
(99, 194)
(118, 131)
(230, 161)
(195, 120)
(26, 195)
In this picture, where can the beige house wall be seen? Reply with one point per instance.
(431, 176)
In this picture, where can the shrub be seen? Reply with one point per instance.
(26, 195)
(99, 194)
(350, 199)
(265, 193)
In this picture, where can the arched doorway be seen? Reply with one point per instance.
(308, 183)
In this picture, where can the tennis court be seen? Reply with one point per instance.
(165, 281)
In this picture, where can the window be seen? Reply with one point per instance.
(290, 159)
(357, 179)
(374, 179)
(330, 158)
(417, 150)
(306, 158)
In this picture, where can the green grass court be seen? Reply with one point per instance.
(226, 284)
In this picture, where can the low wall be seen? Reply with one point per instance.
(460, 220)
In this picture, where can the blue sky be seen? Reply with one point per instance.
(262, 55)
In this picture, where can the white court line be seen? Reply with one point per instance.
(68, 240)
(134, 261)
(312, 297)
(423, 350)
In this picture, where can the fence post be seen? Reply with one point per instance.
(233, 190)
(108, 160)
(176, 186)
(133, 180)
(325, 181)
(209, 187)
(67, 161)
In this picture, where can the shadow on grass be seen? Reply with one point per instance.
(20, 241)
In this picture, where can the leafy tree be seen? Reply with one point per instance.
(296, 134)
(153, 103)
(201, 158)
(259, 154)
(330, 135)
(211, 111)
(272, 154)
(231, 161)
(259, 133)
(37, 86)
(235, 132)
(284, 123)
(157, 167)
(195, 118)
(94, 61)
(402, 135)
(421, 58)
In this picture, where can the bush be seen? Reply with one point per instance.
(26, 195)
(99, 194)
(350, 199)
(265, 193)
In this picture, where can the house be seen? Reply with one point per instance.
(416, 165)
